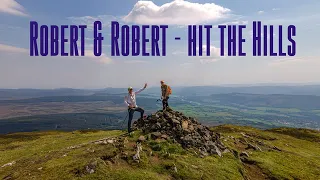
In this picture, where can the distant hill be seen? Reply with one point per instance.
(271, 100)
(192, 90)
(287, 90)
(31, 93)
(67, 112)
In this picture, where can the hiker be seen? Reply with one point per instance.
(130, 101)
(165, 92)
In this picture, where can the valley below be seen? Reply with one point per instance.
(81, 134)
(105, 109)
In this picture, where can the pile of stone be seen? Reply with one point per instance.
(185, 130)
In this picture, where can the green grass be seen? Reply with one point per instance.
(44, 155)
(282, 110)
(305, 134)
(299, 158)
(26, 145)
(259, 117)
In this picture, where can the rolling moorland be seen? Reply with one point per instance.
(75, 135)
(264, 107)
(283, 153)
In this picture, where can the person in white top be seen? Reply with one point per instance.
(130, 101)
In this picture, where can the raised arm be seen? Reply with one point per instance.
(140, 90)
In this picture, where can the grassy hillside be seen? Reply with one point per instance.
(281, 154)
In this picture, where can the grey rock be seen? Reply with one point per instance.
(175, 168)
(203, 151)
(206, 138)
(156, 126)
(155, 135)
(244, 154)
(7, 177)
(110, 141)
(9, 164)
(254, 147)
(244, 135)
(164, 136)
(216, 150)
(191, 128)
(142, 138)
(226, 151)
(276, 148)
(175, 121)
(90, 168)
(186, 131)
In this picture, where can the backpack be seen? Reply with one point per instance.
(169, 90)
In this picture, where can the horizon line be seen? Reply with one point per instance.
(218, 85)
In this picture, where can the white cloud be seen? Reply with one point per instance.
(88, 54)
(89, 20)
(177, 12)
(90, 46)
(294, 61)
(12, 7)
(214, 55)
(135, 62)
(179, 53)
(275, 9)
(214, 52)
(236, 22)
(101, 59)
(12, 49)
(262, 34)
(260, 12)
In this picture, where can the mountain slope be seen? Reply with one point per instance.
(254, 154)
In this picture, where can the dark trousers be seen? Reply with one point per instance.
(131, 112)
(165, 103)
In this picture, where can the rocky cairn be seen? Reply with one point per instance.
(175, 126)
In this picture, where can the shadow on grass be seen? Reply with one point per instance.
(19, 137)
(305, 134)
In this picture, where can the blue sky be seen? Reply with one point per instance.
(19, 70)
